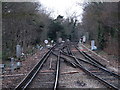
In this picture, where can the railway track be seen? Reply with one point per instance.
(46, 73)
(34, 73)
(73, 77)
(93, 68)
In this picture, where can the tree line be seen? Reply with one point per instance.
(28, 24)
(23, 23)
(101, 20)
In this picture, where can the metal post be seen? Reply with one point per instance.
(12, 64)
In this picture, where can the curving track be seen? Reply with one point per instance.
(29, 80)
(92, 67)
(48, 73)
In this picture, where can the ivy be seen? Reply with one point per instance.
(101, 37)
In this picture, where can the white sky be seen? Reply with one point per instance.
(63, 7)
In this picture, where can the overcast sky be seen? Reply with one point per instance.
(63, 7)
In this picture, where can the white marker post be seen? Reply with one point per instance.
(52, 41)
(18, 64)
(46, 42)
(80, 41)
(18, 51)
(92, 44)
(84, 39)
(12, 64)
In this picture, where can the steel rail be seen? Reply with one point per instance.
(102, 68)
(89, 57)
(30, 76)
(87, 71)
(70, 62)
(57, 71)
(96, 63)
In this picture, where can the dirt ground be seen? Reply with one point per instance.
(11, 79)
